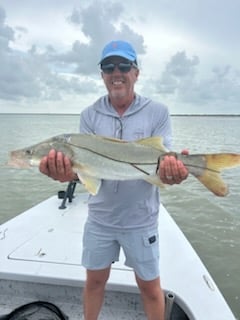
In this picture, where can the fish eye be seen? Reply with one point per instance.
(29, 152)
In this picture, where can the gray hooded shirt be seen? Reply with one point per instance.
(126, 204)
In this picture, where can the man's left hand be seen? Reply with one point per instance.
(171, 170)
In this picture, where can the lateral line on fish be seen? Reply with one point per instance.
(139, 169)
(134, 164)
(113, 159)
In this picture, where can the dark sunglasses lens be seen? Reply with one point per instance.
(109, 68)
(124, 67)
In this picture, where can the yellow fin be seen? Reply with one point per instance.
(91, 184)
(155, 142)
(213, 182)
(220, 161)
(211, 178)
(111, 139)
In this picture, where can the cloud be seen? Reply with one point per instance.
(30, 75)
(6, 33)
(104, 27)
(17, 77)
(44, 73)
(222, 85)
(187, 59)
(181, 79)
(179, 71)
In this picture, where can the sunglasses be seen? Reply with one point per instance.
(124, 67)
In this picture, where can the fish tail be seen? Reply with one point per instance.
(215, 163)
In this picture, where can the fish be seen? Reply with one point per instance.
(95, 158)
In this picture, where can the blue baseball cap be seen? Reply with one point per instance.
(119, 48)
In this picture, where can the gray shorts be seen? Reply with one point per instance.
(101, 246)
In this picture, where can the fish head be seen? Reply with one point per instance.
(32, 155)
(28, 157)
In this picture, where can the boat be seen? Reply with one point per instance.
(40, 259)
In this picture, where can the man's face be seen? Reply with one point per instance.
(119, 76)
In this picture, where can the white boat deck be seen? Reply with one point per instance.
(40, 259)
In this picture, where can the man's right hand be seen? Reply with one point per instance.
(57, 166)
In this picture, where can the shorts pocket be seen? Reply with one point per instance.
(150, 248)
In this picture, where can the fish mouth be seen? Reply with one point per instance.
(18, 164)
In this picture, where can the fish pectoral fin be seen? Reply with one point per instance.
(92, 185)
(155, 180)
(154, 142)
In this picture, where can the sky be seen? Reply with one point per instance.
(188, 53)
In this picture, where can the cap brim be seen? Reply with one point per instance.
(118, 54)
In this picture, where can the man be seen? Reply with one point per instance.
(123, 213)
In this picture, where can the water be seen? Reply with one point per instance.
(211, 224)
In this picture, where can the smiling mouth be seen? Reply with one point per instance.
(117, 82)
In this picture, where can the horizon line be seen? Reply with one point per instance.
(171, 114)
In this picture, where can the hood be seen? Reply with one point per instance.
(103, 106)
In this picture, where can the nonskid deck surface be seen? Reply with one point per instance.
(117, 305)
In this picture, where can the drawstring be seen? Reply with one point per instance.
(119, 131)
(119, 135)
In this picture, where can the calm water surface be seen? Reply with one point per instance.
(211, 224)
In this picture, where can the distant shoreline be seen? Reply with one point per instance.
(205, 115)
(77, 114)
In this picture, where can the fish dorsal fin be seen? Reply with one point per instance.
(112, 139)
(154, 142)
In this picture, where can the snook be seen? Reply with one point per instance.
(96, 157)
